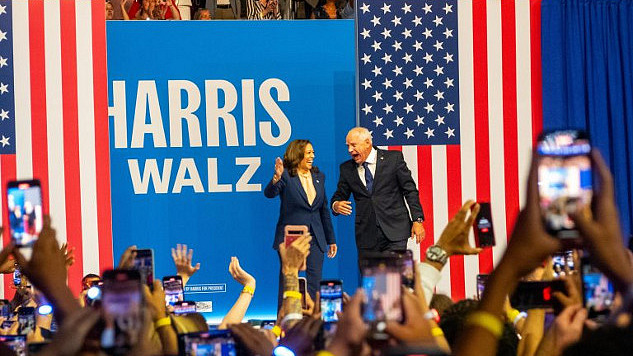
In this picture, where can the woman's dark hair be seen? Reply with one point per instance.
(294, 155)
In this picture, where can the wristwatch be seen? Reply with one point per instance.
(419, 220)
(436, 254)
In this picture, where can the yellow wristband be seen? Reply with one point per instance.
(292, 294)
(276, 330)
(324, 353)
(162, 322)
(512, 314)
(248, 289)
(487, 321)
(437, 331)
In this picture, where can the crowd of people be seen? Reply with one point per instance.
(228, 9)
(431, 323)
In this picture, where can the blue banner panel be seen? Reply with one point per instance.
(198, 113)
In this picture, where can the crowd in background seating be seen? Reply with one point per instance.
(228, 9)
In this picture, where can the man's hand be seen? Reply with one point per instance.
(240, 275)
(417, 232)
(293, 256)
(454, 238)
(182, 259)
(416, 330)
(332, 249)
(342, 207)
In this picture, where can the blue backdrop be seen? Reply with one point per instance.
(198, 180)
(587, 50)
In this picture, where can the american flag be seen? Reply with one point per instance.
(455, 85)
(54, 124)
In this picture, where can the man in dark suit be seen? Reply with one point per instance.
(380, 182)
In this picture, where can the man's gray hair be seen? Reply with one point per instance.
(361, 132)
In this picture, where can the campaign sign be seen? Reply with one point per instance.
(199, 110)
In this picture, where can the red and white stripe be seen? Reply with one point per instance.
(500, 115)
(62, 124)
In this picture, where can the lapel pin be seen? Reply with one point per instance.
(317, 181)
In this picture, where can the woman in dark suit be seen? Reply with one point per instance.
(301, 189)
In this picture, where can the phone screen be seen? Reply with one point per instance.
(216, 343)
(122, 305)
(564, 179)
(382, 282)
(293, 232)
(484, 231)
(17, 277)
(144, 263)
(598, 291)
(563, 262)
(174, 291)
(408, 269)
(26, 319)
(17, 343)
(481, 284)
(184, 308)
(331, 293)
(303, 285)
(24, 203)
(536, 295)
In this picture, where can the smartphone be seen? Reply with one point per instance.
(122, 306)
(217, 342)
(563, 262)
(144, 263)
(564, 179)
(17, 343)
(331, 292)
(303, 289)
(26, 319)
(382, 282)
(484, 231)
(184, 307)
(17, 277)
(408, 269)
(293, 232)
(536, 295)
(598, 291)
(481, 284)
(26, 217)
(174, 291)
(267, 324)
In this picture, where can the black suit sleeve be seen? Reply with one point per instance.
(326, 219)
(343, 190)
(408, 188)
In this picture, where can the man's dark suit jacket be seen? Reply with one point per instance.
(295, 210)
(384, 207)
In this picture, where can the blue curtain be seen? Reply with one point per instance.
(587, 56)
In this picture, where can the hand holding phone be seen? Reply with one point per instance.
(382, 282)
(122, 305)
(292, 233)
(174, 291)
(144, 263)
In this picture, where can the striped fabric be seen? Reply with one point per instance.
(500, 117)
(61, 123)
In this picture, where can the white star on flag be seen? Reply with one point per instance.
(4, 88)
(3, 36)
(366, 33)
(365, 8)
(3, 9)
(406, 8)
(378, 121)
(419, 120)
(366, 58)
(409, 133)
(386, 8)
(427, 33)
(408, 108)
(428, 107)
(398, 120)
(4, 141)
(367, 83)
(439, 120)
(449, 132)
(367, 109)
(388, 133)
(4, 114)
(377, 95)
(3, 62)
(429, 132)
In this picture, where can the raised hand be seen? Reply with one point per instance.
(127, 258)
(279, 168)
(293, 256)
(182, 259)
(241, 276)
(454, 238)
